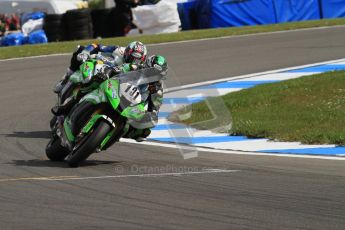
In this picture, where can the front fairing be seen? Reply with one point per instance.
(118, 102)
(91, 68)
(87, 69)
(128, 92)
(136, 112)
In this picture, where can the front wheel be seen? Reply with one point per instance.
(89, 144)
(55, 151)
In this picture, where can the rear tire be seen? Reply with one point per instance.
(90, 144)
(54, 27)
(79, 24)
(55, 151)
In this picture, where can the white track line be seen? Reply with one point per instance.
(252, 75)
(233, 152)
(198, 40)
(209, 171)
(34, 57)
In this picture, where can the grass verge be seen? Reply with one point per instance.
(67, 47)
(310, 109)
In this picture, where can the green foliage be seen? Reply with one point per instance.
(96, 4)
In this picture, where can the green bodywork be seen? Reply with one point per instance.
(86, 70)
(107, 138)
(68, 131)
(111, 89)
(76, 77)
(126, 68)
(135, 112)
(107, 92)
(91, 123)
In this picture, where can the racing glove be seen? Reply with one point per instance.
(155, 87)
(129, 67)
(108, 72)
(83, 56)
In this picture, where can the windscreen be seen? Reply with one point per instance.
(142, 77)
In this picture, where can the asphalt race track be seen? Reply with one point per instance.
(145, 187)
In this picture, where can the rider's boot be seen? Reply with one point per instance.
(58, 87)
(65, 108)
(141, 134)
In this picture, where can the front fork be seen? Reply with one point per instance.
(59, 132)
(112, 136)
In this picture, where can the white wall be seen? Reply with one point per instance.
(109, 3)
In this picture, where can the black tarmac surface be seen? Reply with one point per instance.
(264, 192)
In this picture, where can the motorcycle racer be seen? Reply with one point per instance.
(134, 53)
(155, 96)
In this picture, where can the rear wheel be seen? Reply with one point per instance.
(54, 27)
(89, 144)
(55, 151)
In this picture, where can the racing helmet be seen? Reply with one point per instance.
(135, 53)
(157, 61)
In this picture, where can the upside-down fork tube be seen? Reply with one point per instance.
(113, 136)
(118, 132)
(80, 116)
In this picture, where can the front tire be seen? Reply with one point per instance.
(90, 144)
(55, 151)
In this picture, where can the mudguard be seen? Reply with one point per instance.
(94, 120)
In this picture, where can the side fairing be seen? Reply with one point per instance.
(111, 90)
(136, 112)
(76, 77)
(95, 97)
(87, 69)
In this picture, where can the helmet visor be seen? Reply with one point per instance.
(134, 58)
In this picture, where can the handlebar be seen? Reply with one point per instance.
(102, 58)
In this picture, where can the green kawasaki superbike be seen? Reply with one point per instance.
(103, 116)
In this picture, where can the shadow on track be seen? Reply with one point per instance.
(34, 134)
(47, 163)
